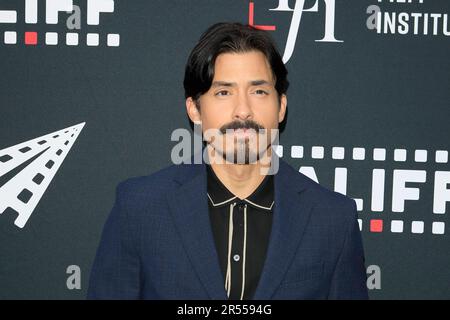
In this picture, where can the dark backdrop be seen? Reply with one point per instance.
(373, 90)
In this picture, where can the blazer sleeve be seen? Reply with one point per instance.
(349, 277)
(115, 272)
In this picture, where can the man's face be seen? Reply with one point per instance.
(242, 100)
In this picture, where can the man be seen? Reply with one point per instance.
(228, 228)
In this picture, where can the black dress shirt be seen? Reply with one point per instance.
(247, 231)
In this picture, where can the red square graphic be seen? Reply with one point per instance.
(376, 225)
(30, 38)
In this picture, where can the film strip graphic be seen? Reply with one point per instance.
(40, 158)
(31, 38)
(376, 223)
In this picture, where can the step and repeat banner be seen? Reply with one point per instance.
(91, 91)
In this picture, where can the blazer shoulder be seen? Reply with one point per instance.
(154, 186)
(159, 182)
(329, 198)
(321, 195)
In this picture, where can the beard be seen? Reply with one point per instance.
(240, 153)
(241, 142)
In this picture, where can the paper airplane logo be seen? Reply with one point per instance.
(28, 169)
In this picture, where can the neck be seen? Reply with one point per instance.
(240, 179)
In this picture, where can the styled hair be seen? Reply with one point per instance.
(226, 37)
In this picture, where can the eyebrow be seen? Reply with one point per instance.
(234, 84)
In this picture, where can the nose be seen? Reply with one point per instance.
(242, 110)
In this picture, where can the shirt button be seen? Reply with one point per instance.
(236, 257)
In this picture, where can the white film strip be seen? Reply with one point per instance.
(23, 192)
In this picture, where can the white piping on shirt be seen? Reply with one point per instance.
(244, 253)
(220, 203)
(246, 200)
(257, 205)
(230, 244)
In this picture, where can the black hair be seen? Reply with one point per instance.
(227, 37)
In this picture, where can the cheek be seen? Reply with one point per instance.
(267, 111)
(212, 113)
(210, 121)
(268, 119)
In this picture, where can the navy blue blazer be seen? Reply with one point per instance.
(158, 244)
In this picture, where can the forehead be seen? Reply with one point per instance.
(247, 65)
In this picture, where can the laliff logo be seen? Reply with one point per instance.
(27, 169)
(53, 8)
(297, 13)
(397, 181)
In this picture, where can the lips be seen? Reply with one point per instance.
(243, 133)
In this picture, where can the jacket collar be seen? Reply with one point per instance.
(218, 194)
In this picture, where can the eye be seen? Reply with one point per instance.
(261, 92)
(222, 93)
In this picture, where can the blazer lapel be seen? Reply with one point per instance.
(291, 215)
(189, 208)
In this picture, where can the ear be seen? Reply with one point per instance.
(283, 106)
(192, 111)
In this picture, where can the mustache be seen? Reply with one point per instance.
(248, 124)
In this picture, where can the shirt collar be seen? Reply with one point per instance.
(262, 198)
